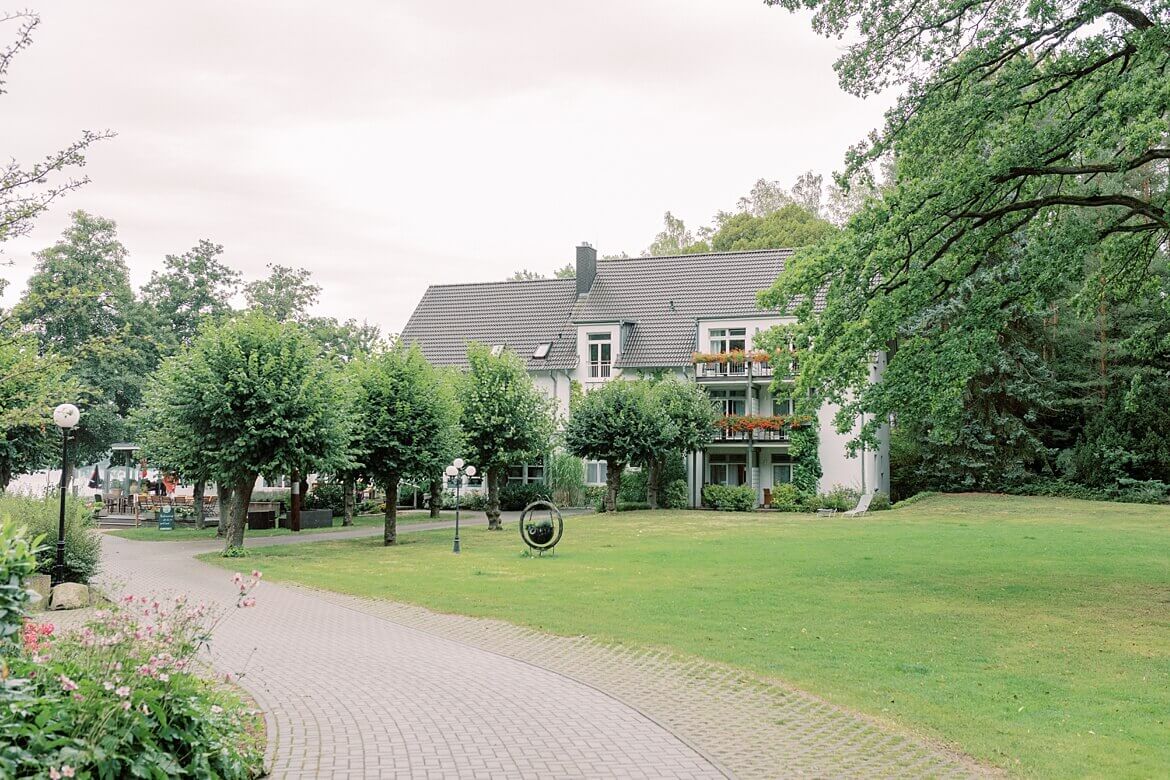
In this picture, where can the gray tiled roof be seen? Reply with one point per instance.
(663, 297)
(518, 314)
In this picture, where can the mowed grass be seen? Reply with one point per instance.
(1032, 633)
(150, 533)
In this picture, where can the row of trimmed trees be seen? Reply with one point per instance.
(254, 396)
(639, 423)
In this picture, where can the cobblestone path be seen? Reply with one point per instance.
(356, 687)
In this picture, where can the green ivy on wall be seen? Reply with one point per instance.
(803, 446)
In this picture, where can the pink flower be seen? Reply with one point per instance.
(237, 578)
(122, 691)
(109, 686)
(164, 677)
(66, 683)
(216, 709)
(67, 771)
(256, 574)
(125, 706)
(54, 774)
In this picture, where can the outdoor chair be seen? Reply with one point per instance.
(861, 508)
(826, 512)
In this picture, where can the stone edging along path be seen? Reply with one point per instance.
(747, 726)
(741, 725)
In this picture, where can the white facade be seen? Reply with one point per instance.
(730, 459)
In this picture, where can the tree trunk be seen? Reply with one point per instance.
(654, 469)
(613, 481)
(294, 509)
(349, 485)
(197, 501)
(436, 497)
(390, 532)
(223, 498)
(241, 497)
(494, 474)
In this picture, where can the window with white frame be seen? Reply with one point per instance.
(730, 402)
(726, 468)
(781, 473)
(782, 406)
(523, 473)
(595, 472)
(600, 355)
(728, 339)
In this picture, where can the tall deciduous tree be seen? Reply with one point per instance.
(1030, 143)
(252, 397)
(344, 341)
(80, 303)
(286, 294)
(621, 424)
(194, 290)
(505, 419)
(403, 424)
(789, 227)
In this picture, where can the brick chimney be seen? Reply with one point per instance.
(586, 268)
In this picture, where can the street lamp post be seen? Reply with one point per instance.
(456, 471)
(65, 417)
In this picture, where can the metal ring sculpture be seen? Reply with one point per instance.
(541, 534)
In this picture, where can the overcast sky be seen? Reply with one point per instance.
(390, 145)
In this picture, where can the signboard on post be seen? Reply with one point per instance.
(166, 518)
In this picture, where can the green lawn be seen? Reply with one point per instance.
(1032, 633)
(151, 533)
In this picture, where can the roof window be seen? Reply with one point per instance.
(542, 349)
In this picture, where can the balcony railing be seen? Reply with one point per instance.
(735, 365)
(737, 427)
(731, 434)
(732, 370)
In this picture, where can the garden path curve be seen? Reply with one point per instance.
(355, 687)
(351, 694)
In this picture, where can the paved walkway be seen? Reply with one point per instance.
(360, 688)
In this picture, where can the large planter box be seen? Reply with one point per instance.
(316, 518)
(259, 521)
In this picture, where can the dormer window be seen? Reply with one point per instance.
(600, 355)
(541, 351)
(497, 350)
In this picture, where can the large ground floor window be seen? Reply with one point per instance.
(595, 472)
(727, 468)
(524, 473)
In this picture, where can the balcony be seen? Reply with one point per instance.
(730, 435)
(736, 366)
(757, 428)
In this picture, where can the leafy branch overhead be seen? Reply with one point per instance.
(26, 191)
(1028, 155)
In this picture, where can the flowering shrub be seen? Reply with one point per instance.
(123, 697)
